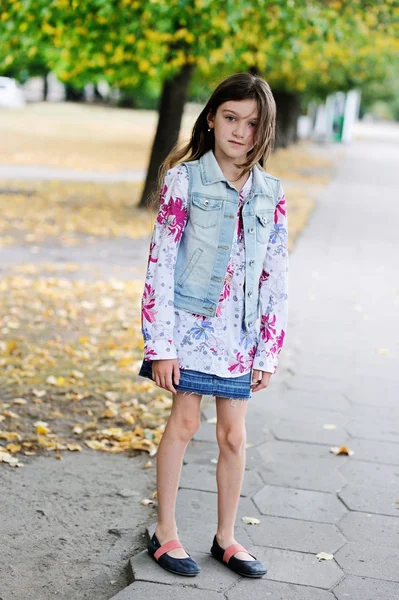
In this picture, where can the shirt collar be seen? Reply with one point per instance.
(212, 173)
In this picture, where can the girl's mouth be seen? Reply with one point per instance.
(235, 143)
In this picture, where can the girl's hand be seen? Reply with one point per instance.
(260, 380)
(164, 370)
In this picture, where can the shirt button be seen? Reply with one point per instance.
(249, 294)
(251, 262)
(251, 230)
(249, 324)
(206, 202)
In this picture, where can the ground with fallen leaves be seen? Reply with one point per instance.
(71, 343)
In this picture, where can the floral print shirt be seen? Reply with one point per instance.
(219, 345)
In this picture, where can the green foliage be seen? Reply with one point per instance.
(307, 46)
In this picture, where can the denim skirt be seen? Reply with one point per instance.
(207, 384)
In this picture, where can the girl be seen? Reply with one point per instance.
(214, 306)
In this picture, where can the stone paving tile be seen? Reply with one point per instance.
(143, 589)
(318, 474)
(377, 391)
(264, 589)
(308, 364)
(364, 588)
(200, 453)
(309, 383)
(378, 562)
(374, 473)
(213, 576)
(378, 413)
(371, 499)
(203, 477)
(298, 567)
(365, 528)
(205, 433)
(289, 534)
(203, 506)
(371, 429)
(375, 451)
(296, 431)
(198, 537)
(299, 504)
(280, 450)
(320, 399)
(315, 416)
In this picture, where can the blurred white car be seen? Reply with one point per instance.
(11, 96)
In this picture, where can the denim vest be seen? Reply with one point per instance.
(205, 246)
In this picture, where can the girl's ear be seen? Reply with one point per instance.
(210, 119)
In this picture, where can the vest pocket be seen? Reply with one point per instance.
(189, 267)
(264, 221)
(204, 210)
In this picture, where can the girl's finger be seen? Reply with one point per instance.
(176, 375)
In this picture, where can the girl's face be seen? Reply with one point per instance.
(234, 126)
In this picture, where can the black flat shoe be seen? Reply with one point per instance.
(179, 566)
(247, 568)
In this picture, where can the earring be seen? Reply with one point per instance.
(209, 128)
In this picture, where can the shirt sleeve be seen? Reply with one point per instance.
(157, 305)
(273, 292)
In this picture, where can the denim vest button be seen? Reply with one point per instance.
(251, 262)
(249, 324)
(251, 230)
(249, 294)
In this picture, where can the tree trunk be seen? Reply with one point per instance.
(288, 112)
(171, 108)
(73, 94)
(45, 86)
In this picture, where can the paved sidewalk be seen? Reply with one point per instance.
(340, 370)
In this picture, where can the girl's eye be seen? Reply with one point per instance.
(253, 124)
(229, 117)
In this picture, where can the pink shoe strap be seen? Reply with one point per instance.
(171, 545)
(231, 550)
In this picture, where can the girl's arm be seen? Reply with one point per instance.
(157, 305)
(273, 293)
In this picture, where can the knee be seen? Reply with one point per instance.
(231, 440)
(185, 426)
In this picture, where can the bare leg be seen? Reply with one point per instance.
(183, 422)
(231, 436)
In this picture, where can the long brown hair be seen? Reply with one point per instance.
(240, 86)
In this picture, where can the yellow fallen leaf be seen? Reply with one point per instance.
(329, 426)
(341, 450)
(77, 429)
(10, 414)
(147, 465)
(74, 447)
(77, 374)
(19, 401)
(250, 520)
(146, 501)
(9, 436)
(94, 444)
(13, 448)
(39, 393)
(42, 428)
(324, 556)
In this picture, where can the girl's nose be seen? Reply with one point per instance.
(239, 131)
